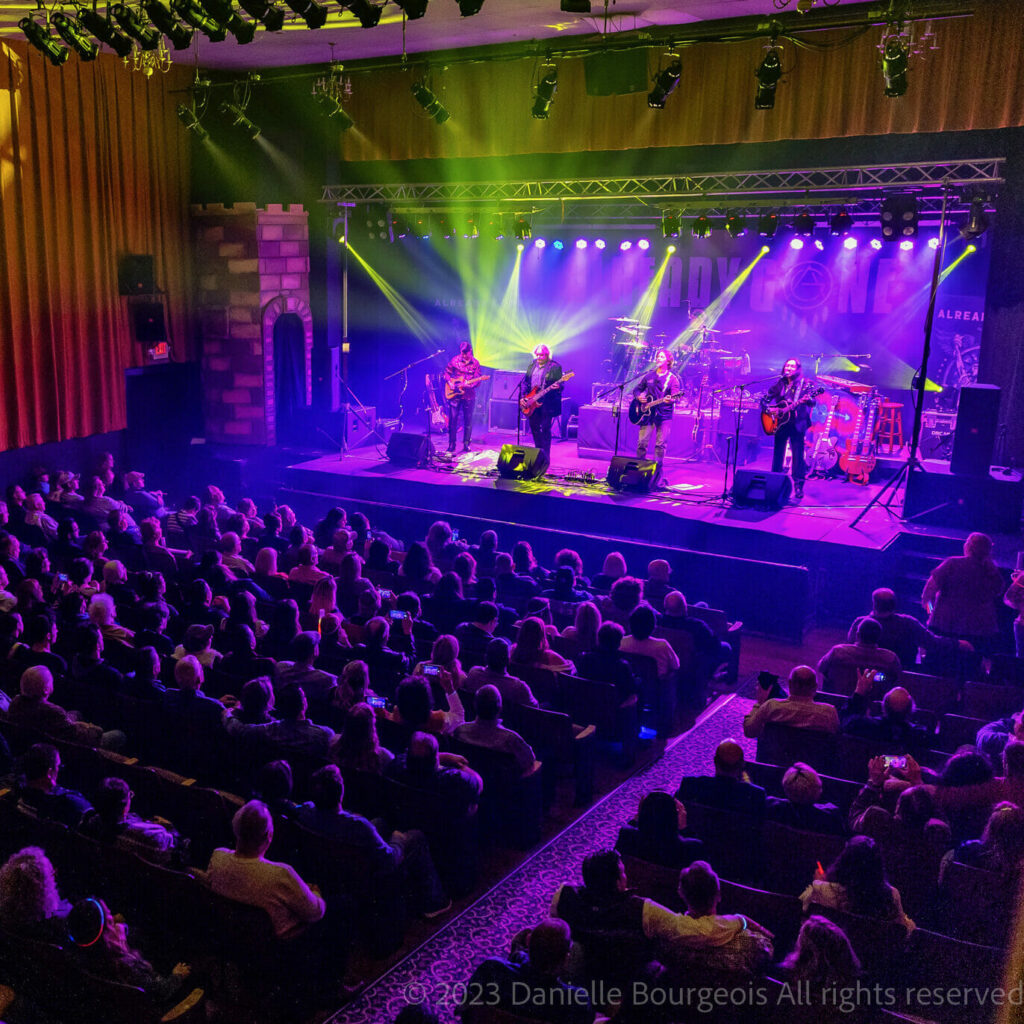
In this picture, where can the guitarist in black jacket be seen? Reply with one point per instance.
(541, 373)
(657, 384)
(792, 395)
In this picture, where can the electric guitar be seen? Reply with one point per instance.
(438, 417)
(775, 416)
(455, 389)
(859, 458)
(530, 402)
(825, 455)
(640, 411)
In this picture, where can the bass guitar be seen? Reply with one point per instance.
(859, 458)
(438, 417)
(825, 455)
(454, 389)
(775, 416)
(640, 412)
(530, 402)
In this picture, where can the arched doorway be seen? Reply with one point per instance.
(289, 376)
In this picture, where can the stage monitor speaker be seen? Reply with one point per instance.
(521, 462)
(505, 384)
(764, 490)
(408, 449)
(977, 421)
(502, 416)
(360, 425)
(135, 274)
(631, 474)
(148, 322)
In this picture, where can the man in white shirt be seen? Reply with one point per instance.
(639, 641)
(799, 709)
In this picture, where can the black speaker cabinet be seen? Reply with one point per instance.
(360, 425)
(135, 274)
(977, 421)
(148, 322)
(408, 449)
(762, 489)
(521, 462)
(630, 474)
(941, 498)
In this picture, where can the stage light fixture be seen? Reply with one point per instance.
(581, 243)
(875, 243)
(421, 226)
(188, 118)
(665, 82)
(189, 11)
(899, 215)
(444, 226)
(840, 223)
(767, 225)
(367, 13)
(222, 12)
(977, 221)
(803, 224)
(163, 17)
(575, 6)
(71, 32)
(625, 246)
(41, 39)
(413, 8)
(145, 35)
(239, 120)
(521, 228)
(103, 29)
(496, 226)
(558, 244)
(644, 244)
(796, 243)
(971, 248)
(312, 13)
(520, 247)
(765, 250)
(933, 243)
(271, 16)
(849, 242)
(736, 225)
(399, 226)
(906, 245)
(333, 110)
(701, 227)
(544, 91)
(895, 60)
(669, 224)
(670, 249)
(768, 73)
(430, 103)
(539, 243)
(467, 8)
(819, 245)
(470, 229)
(600, 243)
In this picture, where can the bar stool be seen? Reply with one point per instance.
(890, 426)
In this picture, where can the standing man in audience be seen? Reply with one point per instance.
(799, 709)
(840, 666)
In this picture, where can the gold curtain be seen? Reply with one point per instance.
(93, 164)
(974, 80)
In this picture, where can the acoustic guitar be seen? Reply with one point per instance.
(455, 389)
(775, 416)
(640, 412)
(530, 402)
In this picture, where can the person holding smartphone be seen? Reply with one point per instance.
(894, 725)
(799, 709)
(840, 665)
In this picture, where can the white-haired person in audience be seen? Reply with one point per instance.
(31, 906)
(231, 554)
(305, 569)
(799, 709)
(800, 807)
(658, 583)
(894, 725)
(841, 663)
(613, 568)
(213, 499)
(99, 505)
(36, 515)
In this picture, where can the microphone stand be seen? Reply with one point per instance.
(404, 374)
(617, 411)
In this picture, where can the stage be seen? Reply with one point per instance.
(779, 570)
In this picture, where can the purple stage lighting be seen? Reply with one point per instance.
(625, 246)
(875, 243)
(539, 243)
(819, 245)
(933, 243)
(796, 243)
(643, 244)
(906, 245)
(849, 243)
(600, 243)
(581, 243)
(558, 244)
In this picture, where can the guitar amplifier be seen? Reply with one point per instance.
(502, 416)
(505, 384)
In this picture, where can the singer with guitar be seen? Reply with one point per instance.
(461, 379)
(790, 400)
(542, 380)
(654, 401)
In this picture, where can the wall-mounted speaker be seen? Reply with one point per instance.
(135, 274)
(631, 474)
(977, 420)
(521, 462)
(761, 489)
(148, 324)
(408, 449)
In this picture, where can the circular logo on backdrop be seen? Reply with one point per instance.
(808, 285)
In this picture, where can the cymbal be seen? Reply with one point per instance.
(742, 330)
(717, 351)
(631, 344)
(634, 328)
(623, 320)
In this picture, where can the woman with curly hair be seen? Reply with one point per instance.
(30, 904)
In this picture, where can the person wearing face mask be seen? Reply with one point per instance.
(462, 377)
(792, 394)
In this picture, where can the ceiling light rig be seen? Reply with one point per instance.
(429, 102)
(190, 11)
(73, 34)
(103, 29)
(413, 9)
(237, 110)
(191, 116)
(163, 17)
(768, 73)
(312, 13)
(222, 12)
(803, 224)
(145, 35)
(977, 221)
(367, 13)
(736, 225)
(899, 216)
(328, 92)
(665, 82)
(39, 36)
(895, 50)
(701, 227)
(670, 224)
(544, 91)
(272, 17)
(840, 223)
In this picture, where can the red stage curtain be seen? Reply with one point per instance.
(974, 80)
(93, 163)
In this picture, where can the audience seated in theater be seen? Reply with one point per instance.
(213, 498)
(487, 590)
(799, 808)
(485, 551)
(418, 572)
(605, 664)
(37, 516)
(363, 535)
(283, 628)
(614, 567)
(305, 570)
(71, 616)
(656, 835)
(274, 785)
(356, 747)
(447, 775)
(142, 502)
(94, 547)
(386, 665)
(11, 628)
(1014, 598)
(658, 584)
(292, 733)
(334, 519)
(38, 638)
(244, 874)
(65, 491)
(179, 525)
(524, 563)
(494, 672)
(799, 709)
(571, 559)
(189, 711)
(855, 882)
(487, 731)
(404, 851)
(901, 633)
(40, 796)
(442, 546)
(729, 789)
(642, 623)
(620, 603)
(242, 612)
(514, 587)
(916, 815)
(32, 708)
(7, 599)
(423, 632)
(414, 706)
(335, 646)
(368, 606)
(531, 648)
(112, 821)
(960, 594)
(967, 773)
(540, 608)
(124, 539)
(334, 553)
(464, 566)
(443, 655)
(99, 505)
(270, 536)
(984, 794)
(153, 621)
(378, 558)
(316, 684)
(475, 634)
(528, 984)
(255, 702)
(143, 681)
(231, 555)
(701, 939)
(1001, 846)
(103, 612)
(564, 593)
(10, 558)
(67, 545)
(893, 726)
(198, 608)
(241, 661)
(447, 606)
(582, 634)
(840, 666)
(30, 903)
(353, 688)
(198, 641)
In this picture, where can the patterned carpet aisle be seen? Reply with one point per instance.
(436, 970)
